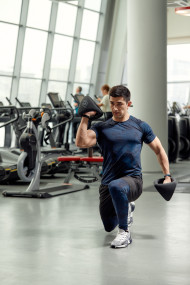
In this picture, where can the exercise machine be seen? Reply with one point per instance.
(8, 161)
(30, 162)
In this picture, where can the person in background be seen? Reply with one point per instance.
(76, 108)
(79, 92)
(105, 102)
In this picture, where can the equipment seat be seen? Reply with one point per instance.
(93, 159)
(83, 165)
(69, 158)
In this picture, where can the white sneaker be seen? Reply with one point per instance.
(122, 239)
(130, 213)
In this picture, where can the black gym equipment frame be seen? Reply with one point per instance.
(47, 192)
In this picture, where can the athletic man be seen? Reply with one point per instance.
(120, 139)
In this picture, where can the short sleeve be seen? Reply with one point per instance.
(96, 129)
(107, 100)
(103, 101)
(148, 135)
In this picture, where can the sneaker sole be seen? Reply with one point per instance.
(123, 245)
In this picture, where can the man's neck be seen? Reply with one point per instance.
(123, 119)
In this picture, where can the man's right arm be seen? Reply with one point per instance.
(85, 138)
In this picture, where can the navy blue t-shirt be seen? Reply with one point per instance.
(121, 144)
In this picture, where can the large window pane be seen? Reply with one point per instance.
(89, 25)
(10, 10)
(61, 57)
(57, 87)
(34, 53)
(5, 89)
(84, 61)
(66, 19)
(9, 35)
(39, 14)
(94, 5)
(178, 62)
(29, 91)
(179, 92)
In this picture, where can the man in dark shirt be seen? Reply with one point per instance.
(120, 139)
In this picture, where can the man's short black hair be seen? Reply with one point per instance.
(120, 91)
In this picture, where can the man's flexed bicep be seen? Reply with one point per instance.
(84, 137)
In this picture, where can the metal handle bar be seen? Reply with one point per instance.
(14, 119)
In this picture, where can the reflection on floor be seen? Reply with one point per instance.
(62, 241)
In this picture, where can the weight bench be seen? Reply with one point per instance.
(81, 166)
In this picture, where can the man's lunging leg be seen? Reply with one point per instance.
(119, 190)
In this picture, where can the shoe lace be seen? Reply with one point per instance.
(121, 235)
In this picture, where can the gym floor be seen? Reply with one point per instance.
(61, 240)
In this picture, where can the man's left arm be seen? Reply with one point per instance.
(162, 157)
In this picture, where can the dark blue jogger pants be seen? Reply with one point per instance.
(114, 199)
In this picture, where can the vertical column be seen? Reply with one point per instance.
(75, 48)
(48, 55)
(117, 45)
(19, 51)
(147, 74)
(98, 47)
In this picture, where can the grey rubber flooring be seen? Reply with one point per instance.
(62, 241)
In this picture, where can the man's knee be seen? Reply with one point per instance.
(118, 186)
(109, 228)
(110, 223)
(113, 187)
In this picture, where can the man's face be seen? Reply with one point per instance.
(119, 107)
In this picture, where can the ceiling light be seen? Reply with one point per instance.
(185, 11)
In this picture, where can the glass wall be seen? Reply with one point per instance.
(36, 18)
(84, 61)
(47, 46)
(66, 19)
(178, 62)
(29, 90)
(10, 11)
(9, 34)
(33, 53)
(61, 57)
(5, 89)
